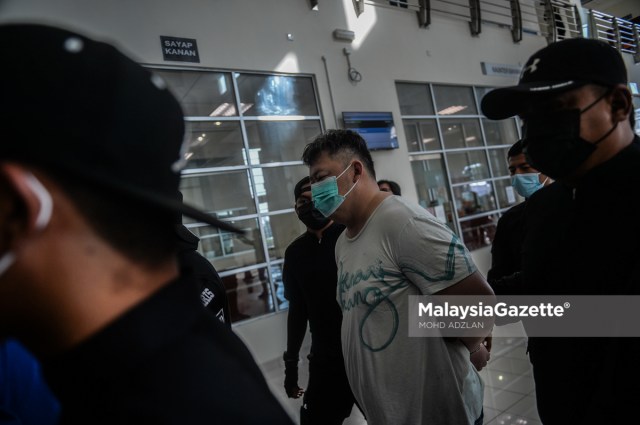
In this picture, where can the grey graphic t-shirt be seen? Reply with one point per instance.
(403, 250)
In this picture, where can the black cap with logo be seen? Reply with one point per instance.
(80, 106)
(559, 67)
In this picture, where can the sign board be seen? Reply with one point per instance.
(501, 70)
(179, 49)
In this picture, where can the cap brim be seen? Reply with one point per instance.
(506, 102)
(157, 199)
(178, 206)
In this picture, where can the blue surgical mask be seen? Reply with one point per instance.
(326, 198)
(526, 184)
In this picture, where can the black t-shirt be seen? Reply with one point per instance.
(310, 276)
(212, 292)
(166, 361)
(586, 241)
(506, 250)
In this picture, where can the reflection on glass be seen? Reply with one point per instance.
(203, 94)
(454, 100)
(474, 198)
(468, 166)
(249, 293)
(507, 196)
(279, 141)
(421, 135)
(227, 250)
(277, 95)
(499, 163)
(415, 99)
(223, 195)
(503, 132)
(280, 231)
(278, 183)
(276, 275)
(214, 144)
(431, 186)
(461, 133)
(479, 232)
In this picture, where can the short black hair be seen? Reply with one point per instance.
(143, 233)
(516, 149)
(339, 142)
(395, 187)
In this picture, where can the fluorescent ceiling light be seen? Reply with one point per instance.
(452, 110)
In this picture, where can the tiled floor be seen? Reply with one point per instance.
(509, 397)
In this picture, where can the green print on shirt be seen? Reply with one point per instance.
(372, 296)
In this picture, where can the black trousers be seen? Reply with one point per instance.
(328, 399)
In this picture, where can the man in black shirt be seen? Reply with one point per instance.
(213, 294)
(89, 279)
(310, 277)
(581, 233)
(507, 243)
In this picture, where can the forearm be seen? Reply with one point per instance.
(296, 329)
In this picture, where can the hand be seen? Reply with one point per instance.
(480, 357)
(291, 377)
(294, 391)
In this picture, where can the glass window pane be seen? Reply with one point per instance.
(468, 166)
(507, 196)
(277, 95)
(204, 94)
(504, 132)
(214, 144)
(222, 194)
(415, 99)
(499, 163)
(248, 293)
(274, 186)
(431, 186)
(276, 275)
(461, 133)
(454, 100)
(279, 141)
(228, 251)
(421, 135)
(474, 198)
(479, 232)
(280, 231)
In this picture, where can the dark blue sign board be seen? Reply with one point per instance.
(179, 49)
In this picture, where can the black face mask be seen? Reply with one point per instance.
(312, 217)
(552, 142)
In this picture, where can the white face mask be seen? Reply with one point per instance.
(42, 220)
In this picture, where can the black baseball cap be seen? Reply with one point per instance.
(559, 67)
(79, 106)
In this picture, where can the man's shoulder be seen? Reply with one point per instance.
(298, 242)
(396, 211)
(513, 212)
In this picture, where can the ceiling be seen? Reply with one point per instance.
(617, 8)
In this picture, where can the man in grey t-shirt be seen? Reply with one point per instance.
(391, 249)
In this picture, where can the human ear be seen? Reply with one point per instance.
(620, 104)
(27, 211)
(357, 169)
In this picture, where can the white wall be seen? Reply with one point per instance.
(251, 35)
